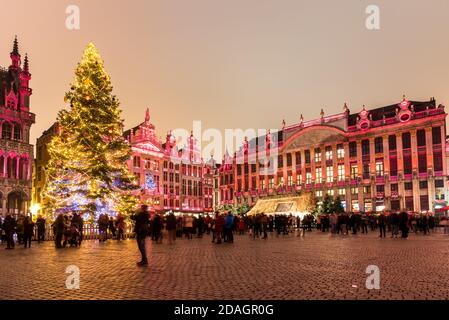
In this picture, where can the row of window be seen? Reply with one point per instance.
(11, 131)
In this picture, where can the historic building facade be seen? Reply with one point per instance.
(391, 158)
(171, 177)
(16, 152)
(42, 158)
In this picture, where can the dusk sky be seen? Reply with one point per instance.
(234, 64)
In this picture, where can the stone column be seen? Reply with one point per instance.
(400, 160)
(415, 171)
(312, 163)
(5, 165)
(4, 206)
(372, 169)
(430, 178)
(284, 168)
(347, 164)
(386, 151)
(294, 171)
(17, 166)
(303, 166)
(257, 173)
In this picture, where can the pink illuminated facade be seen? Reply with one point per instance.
(16, 153)
(391, 158)
(170, 177)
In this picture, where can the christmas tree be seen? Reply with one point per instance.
(87, 171)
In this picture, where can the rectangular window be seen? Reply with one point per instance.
(437, 161)
(354, 171)
(298, 178)
(319, 193)
(439, 183)
(307, 156)
(298, 158)
(408, 185)
(270, 182)
(436, 135)
(317, 155)
(341, 172)
(354, 190)
(353, 149)
(330, 192)
(308, 177)
(421, 138)
(341, 192)
(424, 203)
(393, 166)
(328, 153)
(262, 182)
(367, 190)
(408, 164)
(423, 184)
(289, 180)
(318, 175)
(366, 173)
(378, 145)
(340, 151)
(365, 147)
(394, 187)
(280, 161)
(289, 159)
(406, 140)
(379, 168)
(329, 174)
(392, 143)
(422, 162)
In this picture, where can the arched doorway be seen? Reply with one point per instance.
(16, 202)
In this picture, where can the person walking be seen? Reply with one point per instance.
(58, 230)
(9, 227)
(142, 220)
(111, 227)
(28, 230)
(228, 227)
(120, 225)
(264, 222)
(219, 225)
(382, 224)
(403, 220)
(364, 221)
(78, 224)
(188, 226)
(171, 228)
(40, 223)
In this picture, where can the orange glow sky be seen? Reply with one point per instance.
(234, 63)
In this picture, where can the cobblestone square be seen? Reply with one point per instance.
(318, 266)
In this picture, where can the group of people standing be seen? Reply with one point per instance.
(21, 230)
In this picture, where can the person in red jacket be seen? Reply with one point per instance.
(219, 225)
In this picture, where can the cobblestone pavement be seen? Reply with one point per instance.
(318, 266)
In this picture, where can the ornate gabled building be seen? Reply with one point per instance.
(16, 152)
(171, 178)
(391, 158)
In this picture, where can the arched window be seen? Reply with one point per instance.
(6, 130)
(17, 131)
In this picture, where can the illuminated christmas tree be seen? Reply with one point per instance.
(87, 171)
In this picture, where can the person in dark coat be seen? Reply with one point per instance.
(40, 223)
(142, 220)
(58, 229)
(403, 217)
(28, 230)
(78, 223)
(171, 228)
(157, 227)
(9, 227)
(382, 223)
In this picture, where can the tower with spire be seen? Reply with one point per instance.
(15, 123)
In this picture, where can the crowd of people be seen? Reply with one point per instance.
(67, 230)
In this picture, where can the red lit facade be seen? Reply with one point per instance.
(391, 158)
(171, 177)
